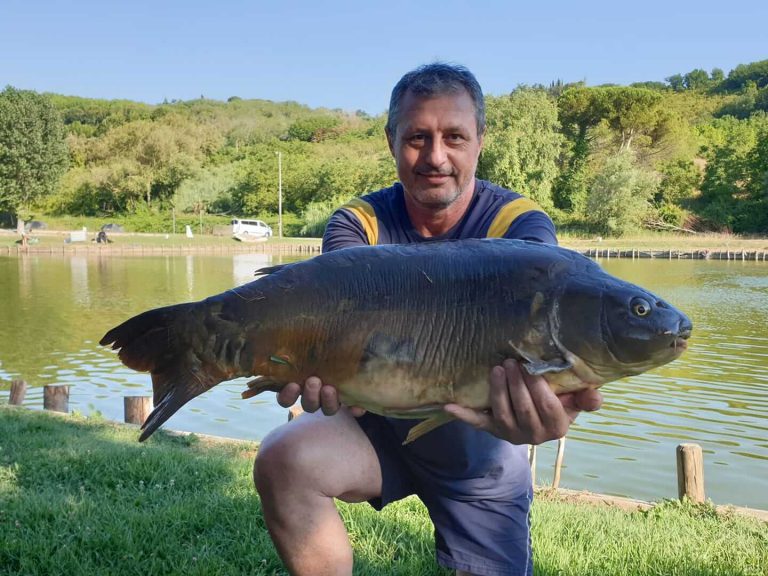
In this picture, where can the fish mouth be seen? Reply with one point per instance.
(680, 342)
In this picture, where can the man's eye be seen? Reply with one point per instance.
(455, 138)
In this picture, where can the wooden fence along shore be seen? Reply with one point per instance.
(312, 249)
(689, 457)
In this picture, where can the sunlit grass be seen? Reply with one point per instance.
(81, 496)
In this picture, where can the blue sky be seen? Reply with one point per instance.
(343, 54)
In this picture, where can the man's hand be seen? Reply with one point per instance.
(314, 394)
(524, 410)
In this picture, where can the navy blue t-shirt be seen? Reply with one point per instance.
(470, 463)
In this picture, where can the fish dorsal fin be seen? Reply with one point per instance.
(269, 269)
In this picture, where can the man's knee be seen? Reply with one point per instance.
(275, 460)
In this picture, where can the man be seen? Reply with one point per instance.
(472, 474)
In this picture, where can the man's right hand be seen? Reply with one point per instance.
(314, 395)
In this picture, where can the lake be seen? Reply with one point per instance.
(54, 309)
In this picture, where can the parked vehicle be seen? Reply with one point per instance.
(255, 228)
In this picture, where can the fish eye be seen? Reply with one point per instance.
(640, 307)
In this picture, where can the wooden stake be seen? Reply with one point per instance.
(18, 391)
(559, 461)
(56, 397)
(136, 409)
(690, 472)
(532, 462)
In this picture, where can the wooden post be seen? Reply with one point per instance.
(532, 462)
(559, 461)
(136, 409)
(294, 412)
(18, 391)
(56, 398)
(690, 472)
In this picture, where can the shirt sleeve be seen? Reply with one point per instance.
(534, 226)
(343, 230)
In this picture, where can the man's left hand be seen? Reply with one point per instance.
(524, 410)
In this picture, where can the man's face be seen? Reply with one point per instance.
(436, 147)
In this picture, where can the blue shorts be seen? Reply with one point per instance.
(480, 507)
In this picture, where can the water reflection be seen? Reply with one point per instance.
(55, 309)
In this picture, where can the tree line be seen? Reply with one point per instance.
(690, 152)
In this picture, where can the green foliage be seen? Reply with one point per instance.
(204, 155)
(313, 128)
(522, 144)
(735, 187)
(619, 199)
(756, 72)
(91, 117)
(680, 180)
(33, 153)
(317, 214)
(207, 188)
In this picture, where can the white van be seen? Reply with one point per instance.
(255, 228)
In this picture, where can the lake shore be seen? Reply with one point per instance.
(650, 245)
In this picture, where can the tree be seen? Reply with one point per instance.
(756, 72)
(697, 79)
(523, 143)
(33, 152)
(619, 199)
(735, 187)
(631, 112)
(676, 82)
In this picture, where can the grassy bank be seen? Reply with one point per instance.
(81, 496)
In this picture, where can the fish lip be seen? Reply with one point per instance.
(680, 343)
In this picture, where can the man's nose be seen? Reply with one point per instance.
(436, 153)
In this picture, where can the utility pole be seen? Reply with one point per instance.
(280, 194)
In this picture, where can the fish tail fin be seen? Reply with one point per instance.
(163, 342)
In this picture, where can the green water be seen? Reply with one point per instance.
(53, 310)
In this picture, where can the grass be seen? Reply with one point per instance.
(81, 496)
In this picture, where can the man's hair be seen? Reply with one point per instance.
(433, 80)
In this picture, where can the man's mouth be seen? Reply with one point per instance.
(434, 177)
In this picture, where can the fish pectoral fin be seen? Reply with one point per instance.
(427, 426)
(261, 384)
(540, 367)
(536, 366)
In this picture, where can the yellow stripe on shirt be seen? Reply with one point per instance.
(508, 214)
(365, 213)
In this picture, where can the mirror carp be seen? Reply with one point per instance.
(401, 330)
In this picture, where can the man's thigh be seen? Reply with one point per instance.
(327, 454)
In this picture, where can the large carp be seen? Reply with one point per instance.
(402, 330)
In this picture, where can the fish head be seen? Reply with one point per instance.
(619, 329)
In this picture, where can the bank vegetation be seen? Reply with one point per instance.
(687, 153)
